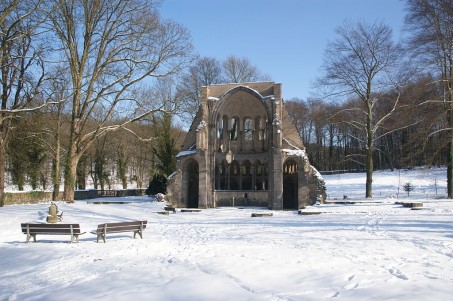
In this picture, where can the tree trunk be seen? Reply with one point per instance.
(56, 173)
(369, 155)
(70, 173)
(2, 174)
(56, 162)
(450, 157)
(124, 181)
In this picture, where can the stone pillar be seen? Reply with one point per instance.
(253, 140)
(202, 139)
(203, 182)
(277, 160)
(253, 171)
(228, 175)
(277, 132)
(240, 175)
(277, 181)
(217, 176)
(241, 139)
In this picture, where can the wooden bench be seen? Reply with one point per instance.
(31, 230)
(119, 227)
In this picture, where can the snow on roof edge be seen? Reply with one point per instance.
(185, 153)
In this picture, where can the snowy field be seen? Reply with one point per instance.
(362, 251)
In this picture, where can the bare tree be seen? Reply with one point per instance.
(360, 63)
(431, 23)
(299, 113)
(21, 67)
(110, 47)
(56, 90)
(204, 72)
(240, 70)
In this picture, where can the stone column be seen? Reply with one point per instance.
(241, 139)
(228, 173)
(253, 140)
(240, 176)
(217, 176)
(203, 183)
(277, 163)
(277, 181)
(253, 171)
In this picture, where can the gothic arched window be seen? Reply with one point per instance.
(248, 129)
(234, 129)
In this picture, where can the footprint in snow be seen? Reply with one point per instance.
(397, 273)
(351, 284)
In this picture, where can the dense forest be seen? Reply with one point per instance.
(101, 91)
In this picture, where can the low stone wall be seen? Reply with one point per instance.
(31, 197)
(92, 194)
(242, 198)
(35, 197)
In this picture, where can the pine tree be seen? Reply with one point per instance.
(165, 149)
(408, 187)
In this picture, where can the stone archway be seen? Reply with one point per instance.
(192, 184)
(290, 185)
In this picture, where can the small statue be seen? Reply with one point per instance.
(52, 217)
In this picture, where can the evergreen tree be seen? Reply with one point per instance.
(17, 163)
(165, 149)
(36, 157)
(157, 185)
(408, 187)
(26, 153)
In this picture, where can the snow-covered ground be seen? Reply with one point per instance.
(362, 251)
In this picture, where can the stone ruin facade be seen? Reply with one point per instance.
(242, 150)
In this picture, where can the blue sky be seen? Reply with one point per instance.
(283, 38)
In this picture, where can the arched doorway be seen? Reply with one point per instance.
(290, 185)
(192, 184)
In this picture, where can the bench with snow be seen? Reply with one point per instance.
(168, 208)
(31, 230)
(136, 227)
(261, 214)
(300, 212)
(412, 205)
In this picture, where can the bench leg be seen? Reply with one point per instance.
(102, 236)
(139, 233)
(75, 238)
(30, 236)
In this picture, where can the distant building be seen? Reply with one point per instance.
(242, 150)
